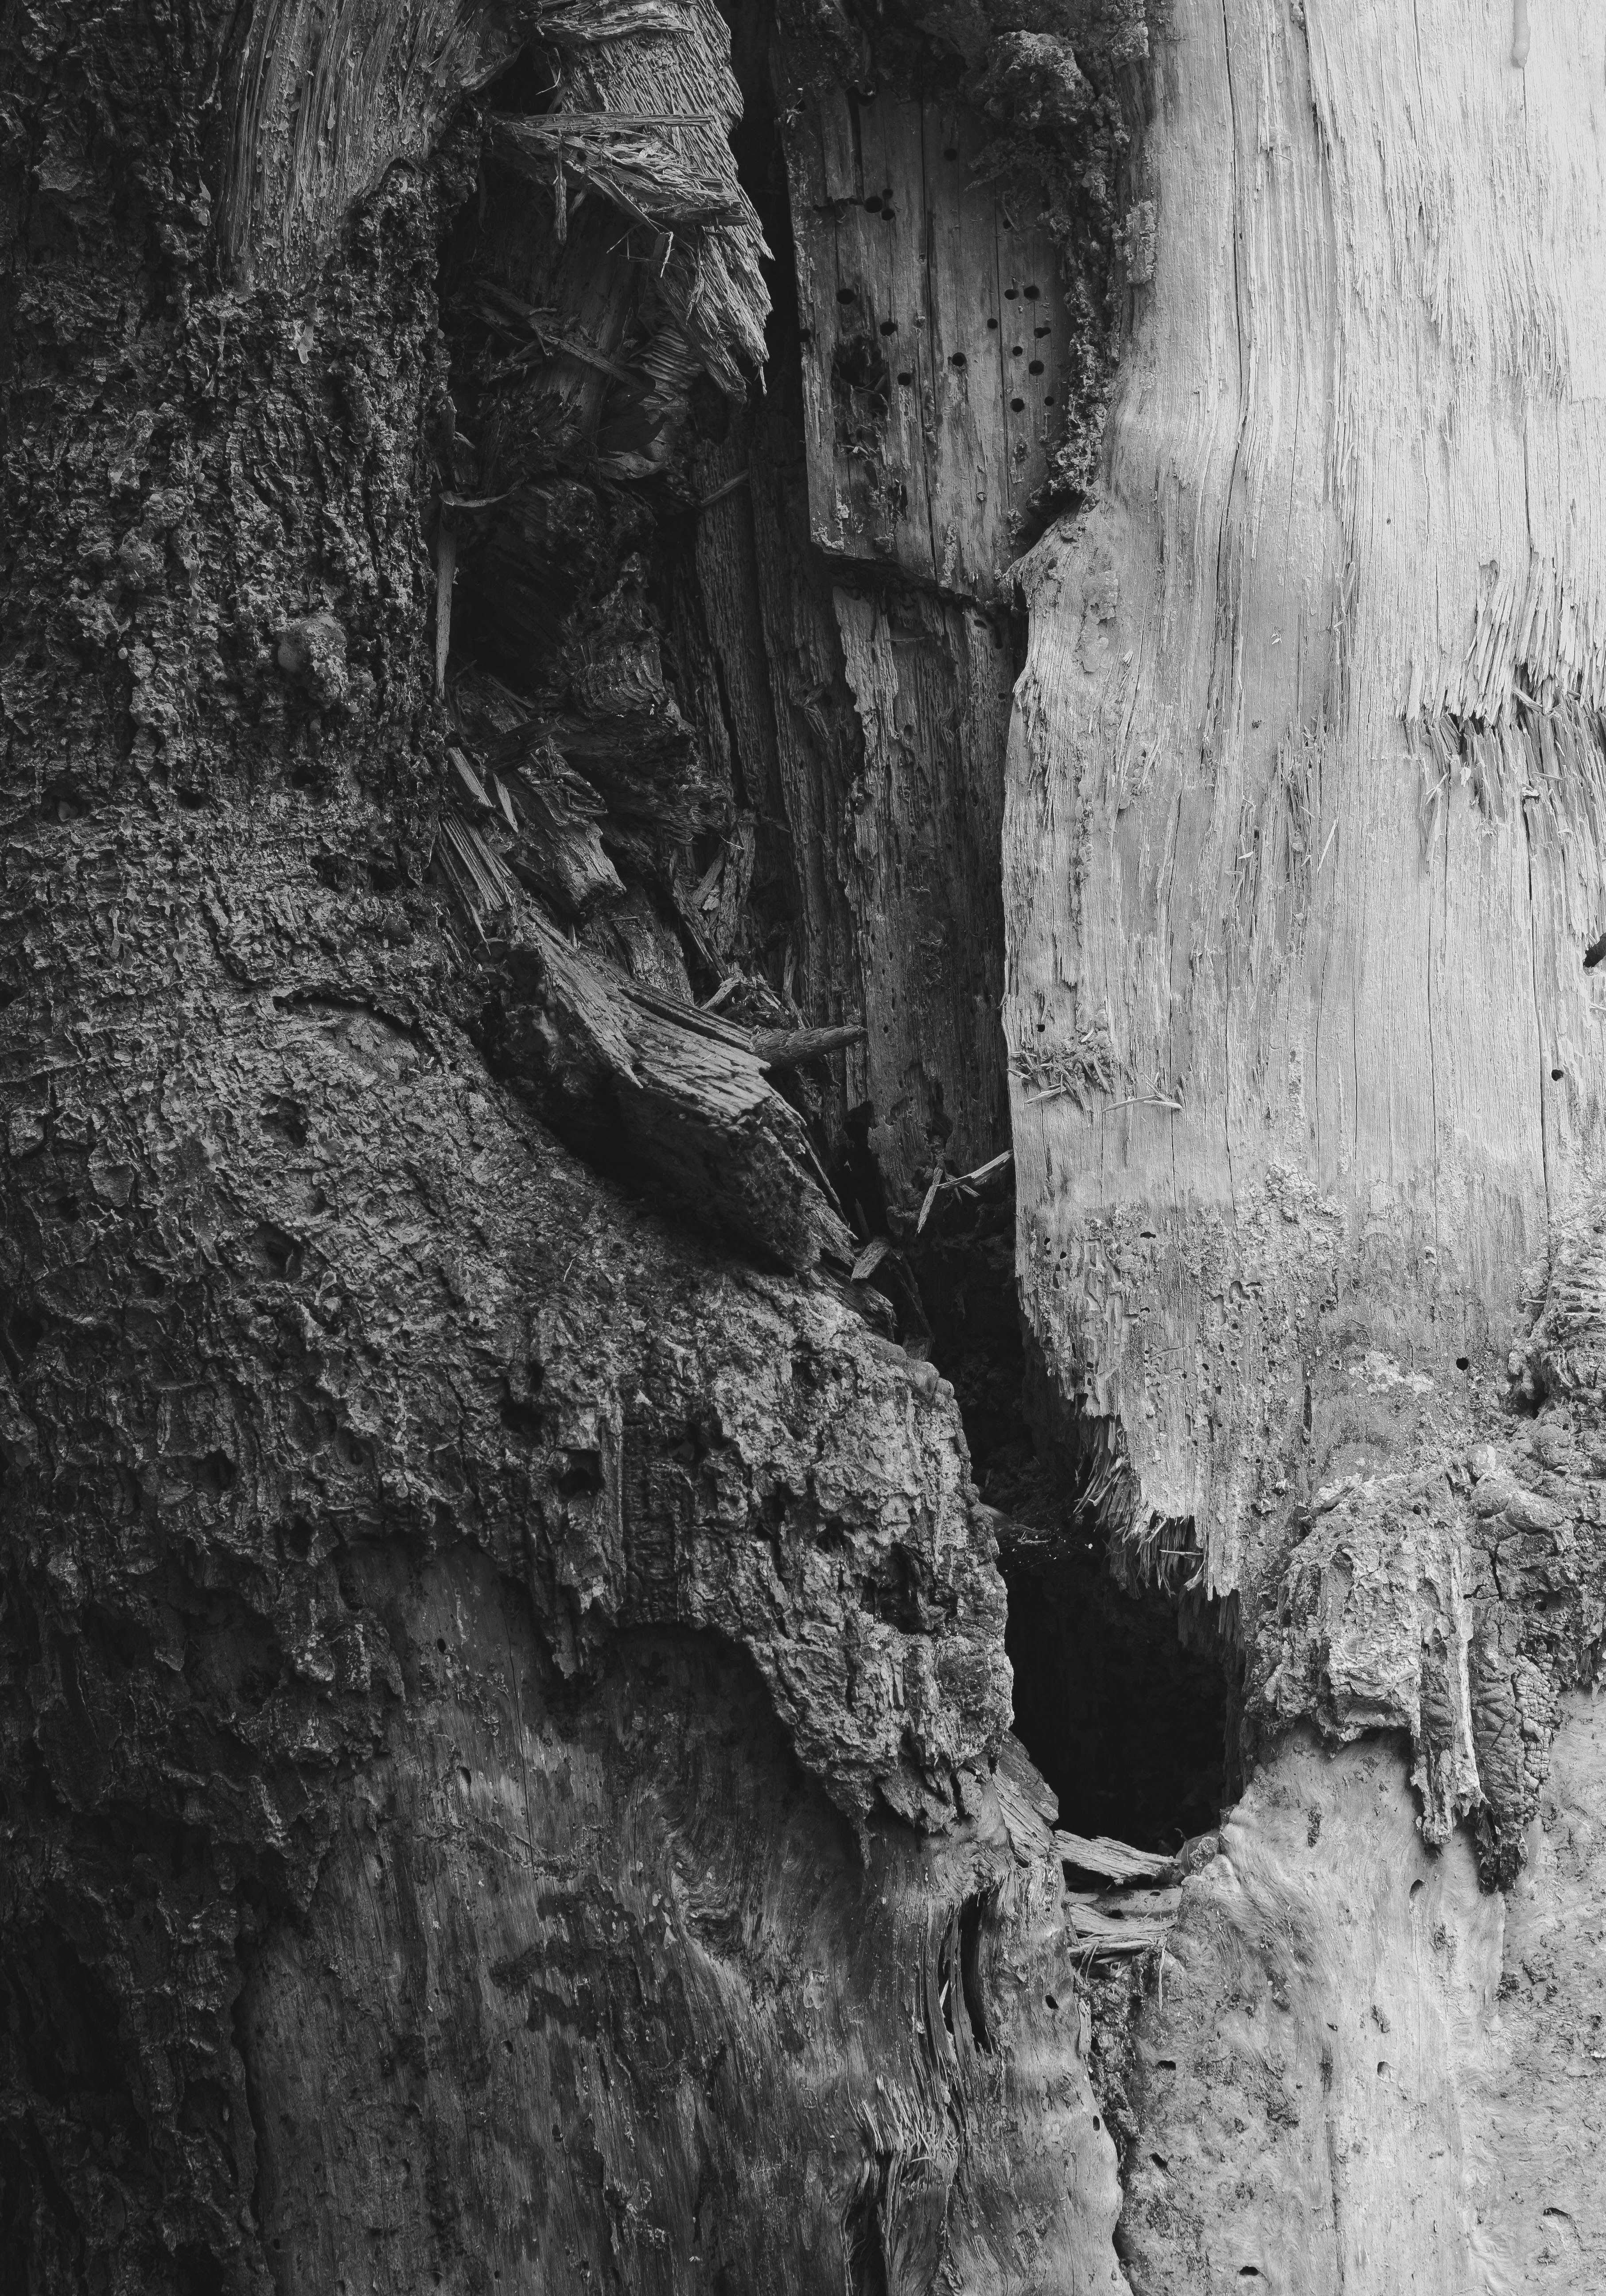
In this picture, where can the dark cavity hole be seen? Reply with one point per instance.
(1464, 1363)
(993, 326)
(1048, 399)
(1124, 1703)
(1034, 366)
(1018, 406)
(948, 152)
(971, 1916)
(861, 2238)
(1556, 1075)
(582, 1477)
(847, 294)
(1032, 293)
(958, 360)
(197, 2272)
(872, 206)
(906, 380)
(1011, 294)
(1594, 953)
(889, 326)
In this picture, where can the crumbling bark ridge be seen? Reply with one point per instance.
(802, 1295)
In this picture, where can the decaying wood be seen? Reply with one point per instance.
(677, 1104)
(1116, 1860)
(552, 813)
(504, 1765)
(936, 333)
(1357, 1035)
(933, 332)
(1302, 862)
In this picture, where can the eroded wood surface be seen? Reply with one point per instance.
(1302, 854)
(934, 332)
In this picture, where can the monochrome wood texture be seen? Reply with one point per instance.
(1302, 847)
(935, 332)
(932, 333)
(506, 1759)
(1303, 886)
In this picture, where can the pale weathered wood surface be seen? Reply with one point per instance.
(1329, 1989)
(1362, 2074)
(1301, 855)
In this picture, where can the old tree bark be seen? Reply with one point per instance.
(802, 827)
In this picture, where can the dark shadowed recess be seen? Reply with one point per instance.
(1127, 1723)
(1133, 1725)
(1125, 1701)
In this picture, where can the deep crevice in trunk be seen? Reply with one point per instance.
(1130, 1724)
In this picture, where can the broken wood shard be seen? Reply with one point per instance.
(683, 1111)
(640, 168)
(1117, 1861)
(1103, 1934)
(553, 812)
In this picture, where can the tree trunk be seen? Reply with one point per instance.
(1304, 877)
(534, 761)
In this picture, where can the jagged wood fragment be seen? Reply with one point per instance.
(637, 166)
(789, 1048)
(1117, 1861)
(1107, 1933)
(552, 811)
(683, 1111)
(707, 264)
(772, 1048)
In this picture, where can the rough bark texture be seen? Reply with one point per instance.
(522, 806)
(499, 1697)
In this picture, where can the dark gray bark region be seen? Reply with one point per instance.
(497, 1695)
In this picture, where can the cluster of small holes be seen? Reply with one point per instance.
(1032, 292)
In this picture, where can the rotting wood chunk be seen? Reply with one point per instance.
(680, 1111)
